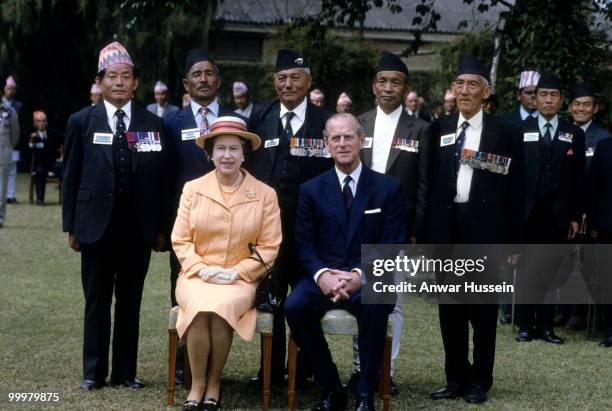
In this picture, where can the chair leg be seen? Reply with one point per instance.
(292, 360)
(385, 383)
(267, 368)
(187, 370)
(172, 344)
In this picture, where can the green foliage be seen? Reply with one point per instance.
(337, 64)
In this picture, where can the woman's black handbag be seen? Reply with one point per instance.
(266, 296)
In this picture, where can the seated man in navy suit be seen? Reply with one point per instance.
(338, 211)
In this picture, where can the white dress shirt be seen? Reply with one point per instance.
(211, 115)
(384, 130)
(298, 120)
(472, 141)
(353, 186)
(554, 122)
(112, 117)
(586, 125)
(524, 113)
(159, 110)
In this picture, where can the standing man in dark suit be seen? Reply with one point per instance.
(161, 107)
(554, 177)
(414, 106)
(397, 145)
(600, 217)
(473, 203)
(9, 134)
(8, 100)
(293, 152)
(201, 82)
(115, 211)
(45, 145)
(525, 94)
(338, 211)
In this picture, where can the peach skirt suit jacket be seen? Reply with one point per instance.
(213, 230)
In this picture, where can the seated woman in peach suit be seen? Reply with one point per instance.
(219, 215)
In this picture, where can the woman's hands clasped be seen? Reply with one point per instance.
(218, 275)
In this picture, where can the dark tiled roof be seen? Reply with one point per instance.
(452, 12)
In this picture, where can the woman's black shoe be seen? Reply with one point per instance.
(211, 404)
(191, 405)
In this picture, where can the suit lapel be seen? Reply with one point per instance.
(100, 125)
(333, 194)
(360, 203)
(368, 128)
(402, 130)
(272, 120)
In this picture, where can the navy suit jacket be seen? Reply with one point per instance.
(592, 136)
(169, 110)
(327, 238)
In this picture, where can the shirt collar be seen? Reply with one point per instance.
(300, 110)
(586, 125)
(475, 121)
(354, 175)
(111, 110)
(525, 114)
(392, 115)
(553, 122)
(213, 107)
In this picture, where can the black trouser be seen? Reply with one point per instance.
(537, 276)
(117, 262)
(454, 325)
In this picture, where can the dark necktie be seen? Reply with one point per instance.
(547, 136)
(120, 126)
(459, 144)
(347, 193)
(288, 131)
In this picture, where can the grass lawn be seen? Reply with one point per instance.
(41, 331)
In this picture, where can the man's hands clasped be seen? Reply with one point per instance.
(339, 285)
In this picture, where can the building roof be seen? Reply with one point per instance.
(452, 13)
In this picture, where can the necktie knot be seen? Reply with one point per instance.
(289, 115)
(120, 114)
(204, 111)
(347, 180)
(464, 125)
(548, 126)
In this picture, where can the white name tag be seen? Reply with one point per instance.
(39, 145)
(590, 151)
(190, 134)
(103, 138)
(372, 211)
(447, 140)
(529, 137)
(367, 142)
(271, 143)
(567, 137)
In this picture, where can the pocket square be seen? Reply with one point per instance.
(372, 211)
(570, 152)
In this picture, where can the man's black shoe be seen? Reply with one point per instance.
(606, 342)
(550, 337)
(12, 200)
(40, 202)
(179, 377)
(335, 400)
(89, 385)
(475, 394)
(524, 336)
(364, 402)
(450, 392)
(505, 319)
(132, 384)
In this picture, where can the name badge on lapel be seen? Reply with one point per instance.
(590, 151)
(447, 140)
(367, 142)
(529, 137)
(485, 161)
(103, 138)
(567, 137)
(190, 134)
(271, 143)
